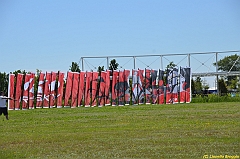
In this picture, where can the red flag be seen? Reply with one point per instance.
(11, 91)
(40, 90)
(120, 88)
(31, 91)
(68, 89)
(60, 89)
(46, 93)
(94, 88)
(114, 88)
(107, 86)
(126, 87)
(75, 89)
(25, 91)
(18, 94)
(168, 87)
(52, 90)
(160, 87)
(87, 99)
(154, 86)
(148, 89)
(101, 93)
(81, 89)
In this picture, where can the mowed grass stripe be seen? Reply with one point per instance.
(143, 131)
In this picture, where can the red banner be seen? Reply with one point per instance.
(160, 87)
(120, 88)
(81, 89)
(107, 87)
(52, 89)
(88, 89)
(18, 94)
(185, 78)
(60, 89)
(46, 92)
(94, 88)
(11, 91)
(148, 89)
(40, 90)
(31, 91)
(75, 89)
(68, 89)
(25, 91)
(114, 88)
(154, 86)
(126, 87)
(102, 85)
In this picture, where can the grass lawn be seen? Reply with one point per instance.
(144, 131)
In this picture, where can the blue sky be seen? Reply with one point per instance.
(49, 35)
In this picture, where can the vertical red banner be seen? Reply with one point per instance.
(31, 91)
(114, 88)
(169, 87)
(102, 85)
(120, 88)
(25, 98)
(141, 86)
(188, 84)
(148, 88)
(40, 90)
(160, 87)
(107, 87)
(68, 89)
(87, 96)
(75, 89)
(18, 93)
(60, 89)
(52, 89)
(154, 86)
(94, 88)
(81, 88)
(46, 92)
(135, 88)
(175, 85)
(126, 87)
(11, 91)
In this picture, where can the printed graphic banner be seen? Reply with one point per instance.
(68, 89)
(154, 86)
(81, 89)
(18, 95)
(75, 89)
(25, 91)
(40, 90)
(87, 99)
(60, 89)
(11, 91)
(160, 87)
(46, 92)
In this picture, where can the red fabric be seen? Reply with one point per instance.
(75, 89)
(68, 89)
(11, 91)
(88, 89)
(107, 86)
(126, 87)
(154, 86)
(31, 91)
(18, 91)
(46, 93)
(101, 93)
(52, 90)
(25, 91)
(81, 89)
(94, 88)
(148, 88)
(120, 88)
(40, 90)
(160, 87)
(114, 88)
(60, 89)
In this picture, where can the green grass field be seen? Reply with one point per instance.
(144, 131)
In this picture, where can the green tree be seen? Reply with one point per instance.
(171, 65)
(198, 84)
(222, 87)
(113, 65)
(4, 82)
(74, 67)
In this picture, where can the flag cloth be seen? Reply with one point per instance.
(135, 86)
(68, 89)
(175, 85)
(126, 87)
(168, 86)
(154, 86)
(148, 87)
(94, 88)
(25, 91)
(11, 91)
(107, 87)
(160, 87)
(81, 88)
(75, 89)
(52, 90)
(187, 84)
(46, 92)
(114, 88)
(40, 90)
(18, 94)
(87, 99)
(120, 88)
(60, 89)
(102, 85)
(31, 91)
